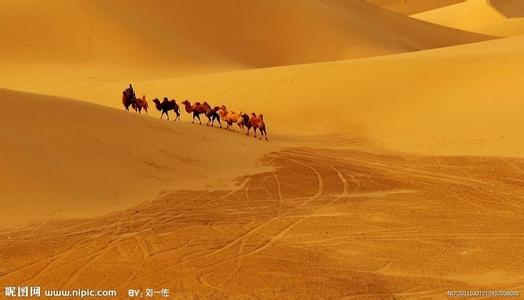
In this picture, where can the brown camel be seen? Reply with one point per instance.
(212, 114)
(139, 104)
(246, 123)
(166, 106)
(258, 123)
(230, 117)
(127, 99)
(197, 109)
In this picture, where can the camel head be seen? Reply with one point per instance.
(186, 102)
(156, 101)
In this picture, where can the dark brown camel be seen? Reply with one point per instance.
(212, 114)
(127, 99)
(246, 123)
(197, 109)
(166, 106)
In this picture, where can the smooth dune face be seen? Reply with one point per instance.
(481, 16)
(80, 159)
(468, 15)
(510, 8)
(504, 28)
(224, 35)
(439, 105)
(409, 7)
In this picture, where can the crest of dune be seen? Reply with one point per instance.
(481, 16)
(218, 35)
(408, 7)
(466, 16)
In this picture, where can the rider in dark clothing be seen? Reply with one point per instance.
(131, 92)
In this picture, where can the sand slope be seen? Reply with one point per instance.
(409, 7)
(510, 8)
(66, 158)
(385, 177)
(425, 102)
(221, 35)
(504, 28)
(481, 16)
(323, 224)
(466, 16)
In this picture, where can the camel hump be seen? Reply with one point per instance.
(261, 116)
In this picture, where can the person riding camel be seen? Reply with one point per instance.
(131, 92)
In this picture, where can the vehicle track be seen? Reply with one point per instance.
(348, 223)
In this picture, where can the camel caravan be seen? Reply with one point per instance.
(219, 114)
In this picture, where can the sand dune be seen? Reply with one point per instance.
(121, 42)
(481, 16)
(425, 102)
(435, 95)
(504, 28)
(409, 7)
(186, 36)
(390, 172)
(468, 15)
(323, 224)
(68, 158)
(510, 8)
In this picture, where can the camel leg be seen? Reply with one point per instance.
(198, 116)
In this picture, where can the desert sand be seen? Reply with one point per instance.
(409, 7)
(481, 16)
(394, 166)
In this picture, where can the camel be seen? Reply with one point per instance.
(166, 106)
(127, 100)
(258, 123)
(212, 114)
(246, 123)
(139, 104)
(231, 117)
(197, 109)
